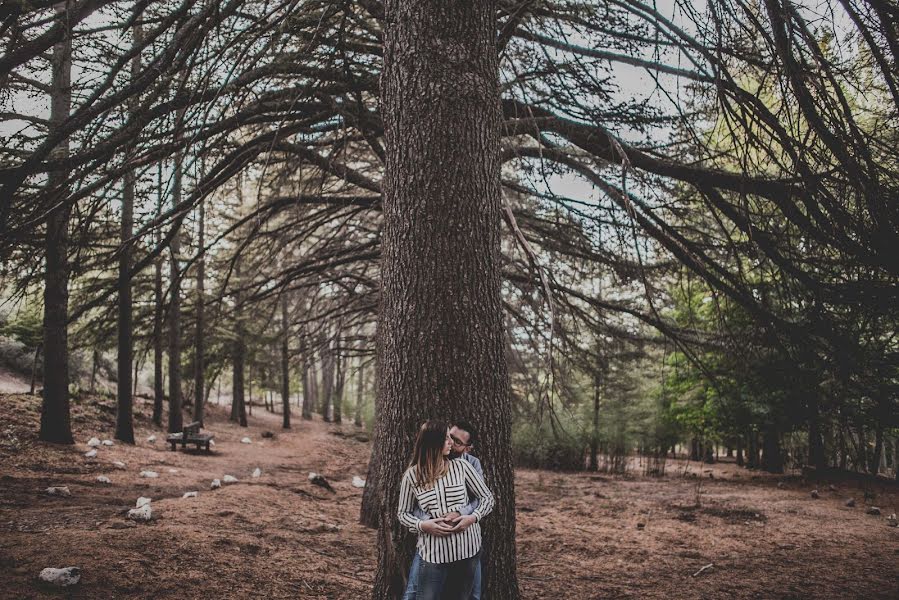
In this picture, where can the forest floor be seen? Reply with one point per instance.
(279, 536)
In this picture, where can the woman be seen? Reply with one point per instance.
(448, 548)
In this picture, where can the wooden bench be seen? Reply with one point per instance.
(190, 434)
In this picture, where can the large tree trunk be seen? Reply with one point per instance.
(753, 450)
(239, 356)
(285, 364)
(158, 321)
(304, 374)
(175, 418)
(200, 341)
(772, 456)
(124, 389)
(55, 418)
(441, 351)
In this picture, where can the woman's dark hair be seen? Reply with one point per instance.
(427, 457)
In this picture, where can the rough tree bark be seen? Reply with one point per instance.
(772, 456)
(125, 404)
(339, 384)
(304, 374)
(56, 423)
(327, 388)
(175, 418)
(238, 356)
(200, 341)
(158, 320)
(440, 329)
(285, 364)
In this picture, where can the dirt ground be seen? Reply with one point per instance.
(279, 536)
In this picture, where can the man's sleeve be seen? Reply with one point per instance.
(476, 483)
(475, 501)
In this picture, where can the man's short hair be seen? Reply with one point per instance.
(472, 432)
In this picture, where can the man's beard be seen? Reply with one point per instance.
(453, 454)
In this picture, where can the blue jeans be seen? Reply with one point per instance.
(412, 586)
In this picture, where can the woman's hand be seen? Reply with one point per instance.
(438, 527)
(463, 523)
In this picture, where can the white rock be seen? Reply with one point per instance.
(216, 484)
(93, 442)
(142, 501)
(103, 479)
(118, 464)
(312, 475)
(149, 474)
(257, 472)
(189, 495)
(90, 453)
(246, 440)
(108, 443)
(173, 470)
(358, 482)
(229, 479)
(151, 439)
(60, 490)
(211, 443)
(144, 513)
(61, 577)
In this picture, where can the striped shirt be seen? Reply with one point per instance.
(448, 494)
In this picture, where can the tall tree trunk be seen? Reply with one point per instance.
(95, 364)
(175, 418)
(340, 382)
(239, 353)
(285, 364)
(304, 374)
(753, 451)
(313, 387)
(249, 399)
(817, 457)
(124, 393)
(327, 389)
(56, 423)
(594, 437)
(772, 456)
(158, 320)
(200, 341)
(878, 450)
(740, 461)
(441, 351)
(360, 392)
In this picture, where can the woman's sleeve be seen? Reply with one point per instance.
(476, 484)
(407, 505)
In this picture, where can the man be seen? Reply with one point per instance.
(464, 436)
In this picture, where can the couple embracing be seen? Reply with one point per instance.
(443, 498)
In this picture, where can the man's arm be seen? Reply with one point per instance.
(475, 501)
(476, 483)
